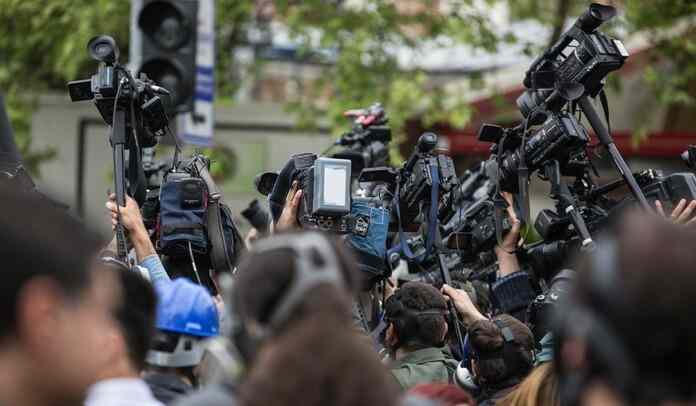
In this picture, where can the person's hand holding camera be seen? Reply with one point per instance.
(682, 213)
(288, 218)
(463, 304)
(132, 220)
(507, 259)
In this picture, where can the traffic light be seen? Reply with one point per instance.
(163, 38)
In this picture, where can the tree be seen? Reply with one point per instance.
(366, 40)
(42, 46)
(670, 25)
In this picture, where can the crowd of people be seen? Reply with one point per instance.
(81, 327)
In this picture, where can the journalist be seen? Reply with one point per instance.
(186, 314)
(56, 304)
(119, 381)
(293, 300)
(186, 317)
(292, 330)
(415, 336)
(501, 350)
(626, 335)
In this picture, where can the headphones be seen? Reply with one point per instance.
(580, 322)
(315, 263)
(406, 320)
(508, 353)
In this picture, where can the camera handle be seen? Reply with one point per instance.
(118, 144)
(608, 142)
(434, 230)
(567, 204)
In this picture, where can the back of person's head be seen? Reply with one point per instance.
(267, 276)
(629, 323)
(186, 314)
(417, 312)
(503, 349)
(294, 291)
(445, 394)
(135, 314)
(540, 387)
(55, 303)
(39, 240)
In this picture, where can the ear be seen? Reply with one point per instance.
(38, 312)
(445, 329)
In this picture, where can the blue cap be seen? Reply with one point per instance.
(186, 308)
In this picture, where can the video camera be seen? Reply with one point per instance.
(135, 113)
(580, 60)
(326, 192)
(559, 138)
(366, 143)
(114, 84)
(426, 180)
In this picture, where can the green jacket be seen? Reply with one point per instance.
(424, 366)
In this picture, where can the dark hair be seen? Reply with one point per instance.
(321, 361)
(329, 362)
(494, 363)
(263, 279)
(39, 239)
(646, 301)
(424, 330)
(445, 394)
(135, 314)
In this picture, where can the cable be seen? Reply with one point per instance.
(193, 263)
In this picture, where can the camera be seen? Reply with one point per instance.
(326, 192)
(114, 84)
(558, 138)
(668, 189)
(365, 145)
(476, 230)
(582, 56)
(541, 312)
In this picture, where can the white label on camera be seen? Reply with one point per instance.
(621, 47)
(335, 185)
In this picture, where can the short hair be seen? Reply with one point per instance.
(136, 314)
(40, 239)
(428, 329)
(487, 341)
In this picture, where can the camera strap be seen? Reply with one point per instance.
(605, 108)
(219, 255)
(403, 247)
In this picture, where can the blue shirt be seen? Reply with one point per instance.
(158, 275)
